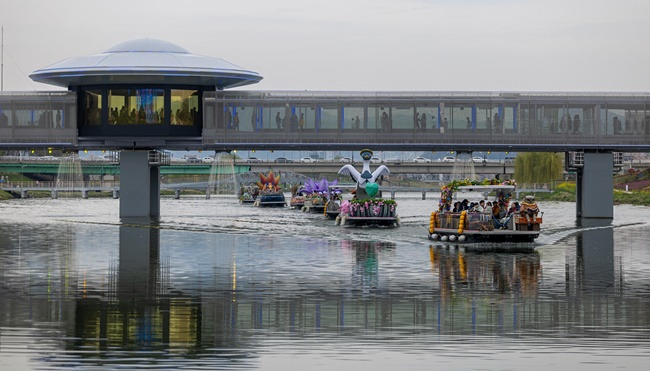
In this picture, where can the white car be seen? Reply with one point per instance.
(346, 160)
(307, 159)
(478, 160)
(375, 160)
(449, 159)
(421, 160)
(208, 160)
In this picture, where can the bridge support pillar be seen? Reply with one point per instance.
(392, 195)
(424, 194)
(116, 194)
(207, 194)
(23, 194)
(84, 194)
(54, 194)
(595, 187)
(139, 186)
(177, 194)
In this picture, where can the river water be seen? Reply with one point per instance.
(219, 285)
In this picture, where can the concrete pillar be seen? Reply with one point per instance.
(596, 188)
(392, 195)
(579, 193)
(207, 194)
(139, 186)
(23, 194)
(54, 194)
(177, 194)
(424, 194)
(116, 194)
(84, 194)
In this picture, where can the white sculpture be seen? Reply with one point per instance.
(365, 176)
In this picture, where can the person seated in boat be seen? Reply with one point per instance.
(464, 205)
(529, 209)
(456, 207)
(514, 208)
(480, 207)
(488, 208)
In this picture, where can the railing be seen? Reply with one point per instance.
(46, 186)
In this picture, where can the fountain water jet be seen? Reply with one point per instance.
(223, 180)
(69, 177)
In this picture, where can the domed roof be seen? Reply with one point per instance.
(146, 61)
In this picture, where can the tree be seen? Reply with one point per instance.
(538, 167)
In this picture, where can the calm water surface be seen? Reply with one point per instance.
(218, 285)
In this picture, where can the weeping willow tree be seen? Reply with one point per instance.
(538, 167)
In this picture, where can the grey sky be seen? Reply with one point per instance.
(572, 45)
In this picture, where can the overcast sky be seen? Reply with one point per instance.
(496, 45)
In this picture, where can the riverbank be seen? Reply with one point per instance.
(566, 192)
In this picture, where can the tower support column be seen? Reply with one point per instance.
(595, 186)
(139, 185)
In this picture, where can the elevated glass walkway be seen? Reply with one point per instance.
(348, 120)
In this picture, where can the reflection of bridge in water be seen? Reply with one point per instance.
(143, 302)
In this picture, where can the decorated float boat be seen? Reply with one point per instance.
(465, 221)
(297, 200)
(318, 195)
(270, 193)
(247, 195)
(364, 209)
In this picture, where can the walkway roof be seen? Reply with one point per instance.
(146, 61)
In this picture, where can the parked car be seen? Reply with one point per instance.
(449, 159)
(347, 160)
(509, 159)
(421, 160)
(375, 160)
(283, 160)
(208, 160)
(478, 159)
(194, 160)
(393, 160)
(253, 159)
(307, 159)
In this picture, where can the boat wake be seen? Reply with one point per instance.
(556, 236)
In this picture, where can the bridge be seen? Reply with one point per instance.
(108, 168)
(426, 121)
(151, 95)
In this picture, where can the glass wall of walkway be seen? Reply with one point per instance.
(420, 117)
(38, 117)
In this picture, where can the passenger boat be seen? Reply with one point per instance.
(523, 225)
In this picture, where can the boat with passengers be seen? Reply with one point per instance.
(484, 214)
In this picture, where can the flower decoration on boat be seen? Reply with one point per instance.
(269, 183)
(369, 207)
(324, 188)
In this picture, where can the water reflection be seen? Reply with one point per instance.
(135, 312)
(140, 293)
(595, 256)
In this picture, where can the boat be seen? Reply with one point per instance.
(332, 208)
(364, 209)
(269, 192)
(247, 195)
(509, 223)
(271, 199)
(318, 195)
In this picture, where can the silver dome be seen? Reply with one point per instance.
(146, 61)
